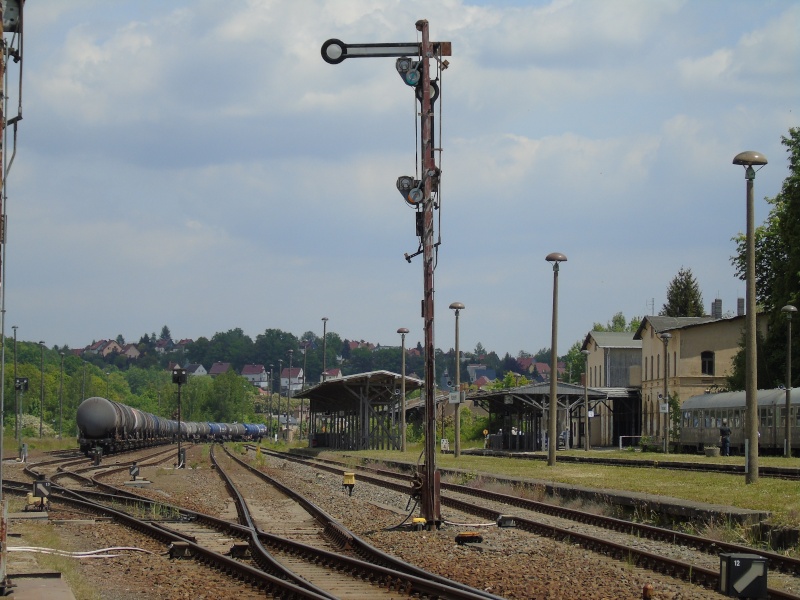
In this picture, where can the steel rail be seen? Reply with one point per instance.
(670, 566)
(383, 566)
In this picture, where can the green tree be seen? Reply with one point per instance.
(618, 323)
(777, 257)
(165, 333)
(683, 296)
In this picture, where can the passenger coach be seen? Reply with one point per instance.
(701, 418)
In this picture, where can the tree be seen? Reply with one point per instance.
(618, 323)
(777, 256)
(683, 297)
(120, 340)
(165, 334)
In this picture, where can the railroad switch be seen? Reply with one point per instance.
(349, 482)
(506, 521)
(418, 523)
(180, 550)
(469, 537)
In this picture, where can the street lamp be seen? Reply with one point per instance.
(458, 307)
(41, 390)
(666, 337)
(586, 399)
(280, 382)
(289, 395)
(324, 345)
(788, 309)
(748, 160)
(403, 331)
(271, 391)
(16, 388)
(556, 258)
(107, 374)
(61, 398)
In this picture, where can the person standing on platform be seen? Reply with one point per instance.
(725, 438)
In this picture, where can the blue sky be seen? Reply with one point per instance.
(206, 169)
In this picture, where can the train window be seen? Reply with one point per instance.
(707, 362)
(687, 418)
(707, 422)
(737, 418)
(697, 417)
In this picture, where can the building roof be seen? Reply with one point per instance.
(253, 370)
(660, 323)
(612, 339)
(218, 368)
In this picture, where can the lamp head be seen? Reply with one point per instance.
(324, 318)
(748, 160)
(585, 352)
(457, 306)
(403, 330)
(555, 258)
(789, 309)
(666, 336)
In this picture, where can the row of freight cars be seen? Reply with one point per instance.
(115, 427)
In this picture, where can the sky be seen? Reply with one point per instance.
(197, 164)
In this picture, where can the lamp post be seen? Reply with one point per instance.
(61, 398)
(107, 374)
(269, 403)
(788, 309)
(556, 258)
(16, 387)
(324, 345)
(41, 390)
(302, 388)
(280, 382)
(586, 444)
(289, 395)
(402, 331)
(458, 307)
(666, 337)
(748, 160)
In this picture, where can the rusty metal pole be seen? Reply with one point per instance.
(2, 266)
(430, 490)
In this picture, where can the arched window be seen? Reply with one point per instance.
(707, 362)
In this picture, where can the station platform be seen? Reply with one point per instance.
(35, 586)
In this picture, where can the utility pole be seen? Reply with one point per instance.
(419, 194)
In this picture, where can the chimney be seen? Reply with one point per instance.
(716, 309)
(740, 307)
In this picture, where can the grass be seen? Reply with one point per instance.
(779, 497)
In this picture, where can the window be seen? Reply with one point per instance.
(658, 367)
(645, 367)
(707, 362)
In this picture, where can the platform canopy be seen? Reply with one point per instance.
(358, 411)
(534, 397)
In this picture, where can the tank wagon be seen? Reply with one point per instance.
(701, 418)
(116, 427)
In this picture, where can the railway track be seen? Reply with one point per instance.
(462, 498)
(273, 561)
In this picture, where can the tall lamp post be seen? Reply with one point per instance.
(324, 346)
(787, 448)
(107, 385)
(61, 398)
(16, 387)
(666, 337)
(458, 307)
(269, 402)
(556, 258)
(41, 390)
(402, 331)
(586, 443)
(748, 160)
(289, 395)
(280, 384)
